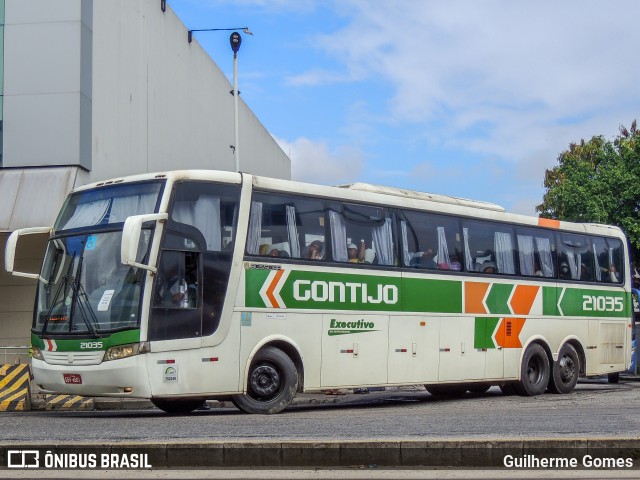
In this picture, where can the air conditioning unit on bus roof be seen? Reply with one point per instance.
(433, 197)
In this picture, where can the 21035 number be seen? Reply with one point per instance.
(592, 303)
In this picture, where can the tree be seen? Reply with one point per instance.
(598, 181)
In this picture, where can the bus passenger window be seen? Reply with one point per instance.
(284, 226)
(575, 258)
(535, 253)
(607, 255)
(361, 234)
(489, 247)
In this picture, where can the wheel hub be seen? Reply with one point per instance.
(567, 369)
(265, 381)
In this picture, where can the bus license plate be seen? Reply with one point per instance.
(72, 378)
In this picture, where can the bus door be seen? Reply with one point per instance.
(461, 357)
(354, 350)
(413, 349)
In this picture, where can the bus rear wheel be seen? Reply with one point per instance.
(565, 371)
(534, 372)
(176, 407)
(271, 385)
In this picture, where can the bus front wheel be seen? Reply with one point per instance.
(565, 371)
(271, 385)
(534, 371)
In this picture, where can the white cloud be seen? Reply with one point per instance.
(495, 77)
(266, 5)
(313, 162)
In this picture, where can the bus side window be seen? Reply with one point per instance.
(285, 226)
(535, 253)
(606, 257)
(361, 234)
(575, 257)
(489, 247)
(430, 241)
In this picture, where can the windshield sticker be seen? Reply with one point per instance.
(105, 301)
(91, 242)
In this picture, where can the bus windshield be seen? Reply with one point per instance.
(84, 288)
(109, 204)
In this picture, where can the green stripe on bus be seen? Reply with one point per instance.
(302, 289)
(483, 334)
(498, 298)
(84, 343)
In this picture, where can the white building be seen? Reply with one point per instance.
(97, 89)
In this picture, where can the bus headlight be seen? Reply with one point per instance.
(124, 351)
(36, 353)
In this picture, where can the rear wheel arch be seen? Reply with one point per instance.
(575, 343)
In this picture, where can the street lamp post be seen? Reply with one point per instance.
(235, 39)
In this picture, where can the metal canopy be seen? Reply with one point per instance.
(32, 197)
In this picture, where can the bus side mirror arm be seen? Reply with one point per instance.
(131, 239)
(10, 249)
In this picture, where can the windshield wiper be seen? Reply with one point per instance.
(53, 303)
(81, 299)
(64, 283)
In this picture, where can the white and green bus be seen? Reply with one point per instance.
(192, 285)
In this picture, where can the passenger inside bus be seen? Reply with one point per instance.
(424, 259)
(564, 272)
(315, 250)
(355, 254)
(489, 268)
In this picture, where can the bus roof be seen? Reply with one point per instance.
(433, 197)
(395, 197)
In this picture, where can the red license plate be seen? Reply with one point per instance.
(72, 378)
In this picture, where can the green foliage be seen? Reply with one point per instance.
(598, 181)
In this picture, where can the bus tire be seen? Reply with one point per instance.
(613, 377)
(534, 372)
(446, 390)
(271, 385)
(175, 406)
(565, 371)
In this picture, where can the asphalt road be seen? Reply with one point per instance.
(594, 409)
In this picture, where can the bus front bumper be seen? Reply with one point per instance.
(126, 377)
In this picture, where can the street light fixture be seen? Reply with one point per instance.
(190, 32)
(235, 39)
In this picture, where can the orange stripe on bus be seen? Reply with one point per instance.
(508, 334)
(523, 298)
(548, 222)
(272, 287)
(474, 293)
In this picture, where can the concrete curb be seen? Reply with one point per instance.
(464, 453)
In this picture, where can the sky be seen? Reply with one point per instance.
(468, 98)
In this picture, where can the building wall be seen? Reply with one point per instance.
(114, 87)
(47, 83)
(161, 103)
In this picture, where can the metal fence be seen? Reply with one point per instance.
(14, 355)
